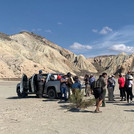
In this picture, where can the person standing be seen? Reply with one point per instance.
(121, 82)
(98, 94)
(87, 86)
(129, 88)
(63, 81)
(69, 83)
(110, 88)
(127, 75)
(40, 84)
(114, 83)
(91, 80)
(103, 79)
(76, 85)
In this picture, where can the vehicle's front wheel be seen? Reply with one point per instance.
(21, 95)
(51, 93)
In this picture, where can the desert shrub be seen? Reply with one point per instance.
(77, 100)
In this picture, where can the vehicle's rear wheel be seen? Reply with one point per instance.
(51, 93)
(21, 95)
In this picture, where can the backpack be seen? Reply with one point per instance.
(96, 84)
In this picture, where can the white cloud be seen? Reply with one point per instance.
(95, 30)
(77, 46)
(122, 48)
(24, 30)
(48, 31)
(121, 40)
(36, 29)
(105, 30)
(121, 36)
(59, 23)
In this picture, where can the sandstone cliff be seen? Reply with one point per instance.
(27, 53)
(114, 64)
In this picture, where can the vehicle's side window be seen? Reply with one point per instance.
(52, 78)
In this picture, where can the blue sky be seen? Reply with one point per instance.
(88, 27)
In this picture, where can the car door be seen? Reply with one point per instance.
(24, 83)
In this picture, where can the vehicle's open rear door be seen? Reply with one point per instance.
(34, 83)
(23, 83)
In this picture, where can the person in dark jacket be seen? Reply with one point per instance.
(103, 80)
(98, 94)
(40, 84)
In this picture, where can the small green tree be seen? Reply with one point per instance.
(78, 102)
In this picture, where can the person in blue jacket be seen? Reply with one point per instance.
(76, 84)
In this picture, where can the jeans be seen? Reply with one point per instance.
(64, 91)
(69, 91)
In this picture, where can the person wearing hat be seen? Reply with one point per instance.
(40, 84)
(129, 89)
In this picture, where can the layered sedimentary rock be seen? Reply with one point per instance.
(27, 53)
(114, 64)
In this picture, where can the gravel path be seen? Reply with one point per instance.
(44, 116)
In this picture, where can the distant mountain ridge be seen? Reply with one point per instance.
(27, 53)
(114, 64)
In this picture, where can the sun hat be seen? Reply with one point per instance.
(130, 77)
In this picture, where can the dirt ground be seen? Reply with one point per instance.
(44, 116)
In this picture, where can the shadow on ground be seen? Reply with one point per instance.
(16, 97)
(124, 104)
(68, 108)
(49, 100)
(129, 110)
(113, 101)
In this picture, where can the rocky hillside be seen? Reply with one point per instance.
(27, 53)
(114, 64)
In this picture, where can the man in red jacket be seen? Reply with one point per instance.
(121, 82)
